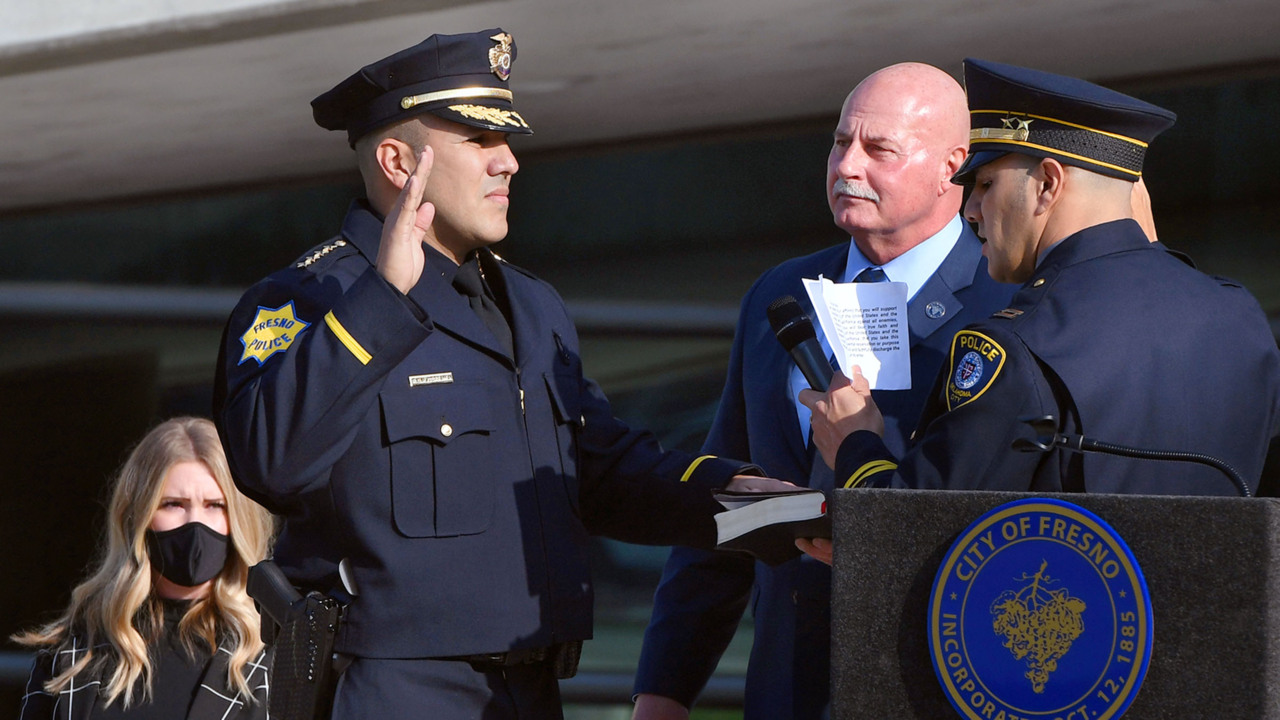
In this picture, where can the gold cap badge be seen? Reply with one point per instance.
(1021, 127)
(500, 56)
(1015, 128)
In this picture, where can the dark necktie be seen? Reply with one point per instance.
(469, 282)
(872, 274)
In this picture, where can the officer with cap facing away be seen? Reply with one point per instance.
(1116, 338)
(416, 410)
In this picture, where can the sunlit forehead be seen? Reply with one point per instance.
(877, 130)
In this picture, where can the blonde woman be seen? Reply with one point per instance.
(162, 628)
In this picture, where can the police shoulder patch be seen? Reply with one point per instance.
(273, 330)
(1040, 610)
(976, 361)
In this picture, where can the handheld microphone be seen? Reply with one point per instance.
(795, 331)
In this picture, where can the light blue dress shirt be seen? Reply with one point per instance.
(914, 267)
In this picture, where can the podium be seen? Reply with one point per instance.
(1210, 565)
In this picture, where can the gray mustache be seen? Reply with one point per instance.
(856, 190)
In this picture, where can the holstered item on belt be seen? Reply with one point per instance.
(564, 658)
(302, 674)
(274, 594)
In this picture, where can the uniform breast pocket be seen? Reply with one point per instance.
(567, 401)
(441, 472)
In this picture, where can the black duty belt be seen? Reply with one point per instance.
(524, 656)
(563, 655)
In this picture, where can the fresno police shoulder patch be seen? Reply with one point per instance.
(273, 330)
(1039, 610)
(976, 360)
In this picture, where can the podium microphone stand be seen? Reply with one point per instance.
(1211, 573)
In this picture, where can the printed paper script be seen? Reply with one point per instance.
(866, 324)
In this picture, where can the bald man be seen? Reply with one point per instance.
(1110, 336)
(903, 132)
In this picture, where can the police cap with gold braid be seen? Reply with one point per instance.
(1016, 109)
(462, 78)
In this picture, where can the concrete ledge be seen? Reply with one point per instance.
(62, 44)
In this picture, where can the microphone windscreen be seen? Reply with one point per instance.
(789, 322)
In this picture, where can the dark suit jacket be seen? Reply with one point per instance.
(703, 594)
(214, 700)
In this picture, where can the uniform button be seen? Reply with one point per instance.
(1037, 283)
(446, 429)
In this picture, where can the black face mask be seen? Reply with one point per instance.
(189, 555)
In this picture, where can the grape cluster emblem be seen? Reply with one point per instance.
(1038, 624)
(1039, 611)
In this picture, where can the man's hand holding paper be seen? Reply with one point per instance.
(866, 325)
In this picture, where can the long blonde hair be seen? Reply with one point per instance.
(115, 609)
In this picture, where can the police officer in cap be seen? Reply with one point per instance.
(416, 410)
(1116, 338)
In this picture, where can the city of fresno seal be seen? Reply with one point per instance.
(1039, 611)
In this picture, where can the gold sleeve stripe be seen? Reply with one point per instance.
(345, 337)
(694, 466)
(868, 470)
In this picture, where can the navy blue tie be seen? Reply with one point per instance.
(471, 283)
(872, 274)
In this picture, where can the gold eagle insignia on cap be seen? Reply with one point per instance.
(1014, 128)
(1021, 127)
(500, 56)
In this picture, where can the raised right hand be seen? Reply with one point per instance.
(400, 254)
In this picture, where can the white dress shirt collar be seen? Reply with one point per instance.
(914, 267)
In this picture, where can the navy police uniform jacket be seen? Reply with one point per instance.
(703, 594)
(458, 483)
(1120, 341)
